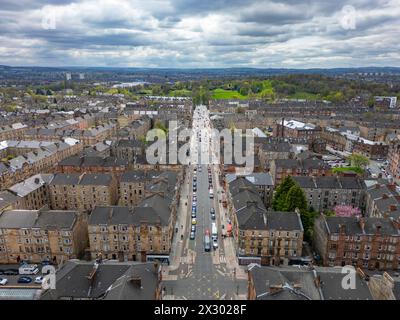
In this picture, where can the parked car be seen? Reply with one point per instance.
(194, 221)
(193, 228)
(192, 235)
(24, 279)
(11, 272)
(3, 281)
(39, 280)
(215, 243)
(28, 269)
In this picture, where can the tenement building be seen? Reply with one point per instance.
(136, 234)
(324, 193)
(82, 191)
(42, 235)
(262, 236)
(370, 243)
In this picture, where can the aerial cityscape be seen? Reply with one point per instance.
(184, 150)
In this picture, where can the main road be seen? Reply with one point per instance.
(200, 274)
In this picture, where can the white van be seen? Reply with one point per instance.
(28, 269)
(211, 193)
(214, 231)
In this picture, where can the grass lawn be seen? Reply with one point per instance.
(305, 96)
(342, 169)
(180, 93)
(226, 94)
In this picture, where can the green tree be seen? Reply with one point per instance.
(289, 197)
(307, 219)
(279, 199)
(10, 108)
(295, 198)
(358, 160)
(161, 126)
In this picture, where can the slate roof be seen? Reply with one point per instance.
(31, 184)
(266, 277)
(99, 179)
(65, 178)
(256, 178)
(331, 286)
(353, 227)
(16, 219)
(7, 198)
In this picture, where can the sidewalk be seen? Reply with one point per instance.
(177, 244)
(229, 246)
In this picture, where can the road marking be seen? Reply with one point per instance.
(220, 272)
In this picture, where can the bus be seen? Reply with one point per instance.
(207, 243)
(214, 231)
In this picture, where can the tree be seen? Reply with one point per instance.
(307, 219)
(289, 197)
(279, 199)
(161, 126)
(295, 198)
(358, 160)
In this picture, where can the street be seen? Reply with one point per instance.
(211, 275)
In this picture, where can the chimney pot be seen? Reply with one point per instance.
(362, 223)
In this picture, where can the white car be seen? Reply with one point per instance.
(215, 244)
(38, 280)
(3, 281)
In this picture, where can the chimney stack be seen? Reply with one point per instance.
(385, 196)
(392, 207)
(362, 223)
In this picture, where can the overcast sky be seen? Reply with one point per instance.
(200, 33)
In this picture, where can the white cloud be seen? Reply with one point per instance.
(177, 33)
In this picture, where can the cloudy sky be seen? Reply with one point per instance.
(200, 33)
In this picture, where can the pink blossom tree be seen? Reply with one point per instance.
(346, 211)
